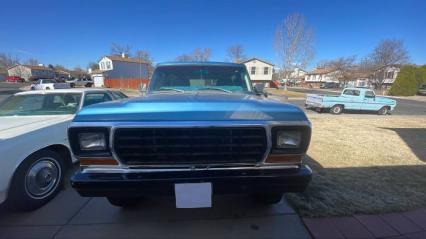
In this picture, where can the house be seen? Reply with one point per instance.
(294, 77)
(390, 73)
(320, 75)
(122, 72)
(62, 74)
(386, 75)
(29, 73)
(260, 71)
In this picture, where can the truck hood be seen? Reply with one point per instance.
(192, 106)
(11, 126)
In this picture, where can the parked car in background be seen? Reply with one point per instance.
(351, 99)
(48, 84)
(329, 85)
(80, 82)
(14, 79)
(34, 149)
(202, 129)
(422, 90)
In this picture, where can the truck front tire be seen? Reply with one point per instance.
(336, 109)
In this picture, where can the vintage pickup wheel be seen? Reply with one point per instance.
(124, 201)
(336, 109)
(37, 180)
(268, 198)
(383, 111)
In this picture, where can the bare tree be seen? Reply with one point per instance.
(389, 52)
(146, 57)
(198, 54)
(201, 54)
(293, 44)
(184, 57)
(32, 62)
(93, 65)
(117, 49)
(236, 53)
(343, 68)
(7, 60)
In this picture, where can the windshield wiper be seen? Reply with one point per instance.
(170, 89)
(215, 88)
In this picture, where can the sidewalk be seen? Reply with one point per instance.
(410, 224)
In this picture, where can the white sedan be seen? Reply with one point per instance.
(34, 148)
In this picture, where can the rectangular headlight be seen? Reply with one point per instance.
(91, 141)
(289, 139)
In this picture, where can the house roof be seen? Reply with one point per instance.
(126, 59)
(32, 67)
(257, 59)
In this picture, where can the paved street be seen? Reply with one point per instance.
(404, 106)
(7, 89)
(71, 216)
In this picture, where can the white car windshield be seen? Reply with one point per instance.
(41, 104)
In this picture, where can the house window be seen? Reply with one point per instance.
(389, 75)
(108, 65)
(266, 70)
(102, 66)
(253, 70)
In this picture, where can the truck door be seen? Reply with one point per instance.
(352, 99)
(369, 101)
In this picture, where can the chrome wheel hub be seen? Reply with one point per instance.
(42, 178)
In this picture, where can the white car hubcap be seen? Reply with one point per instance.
(42, 178)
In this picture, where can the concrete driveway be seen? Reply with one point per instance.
(72, 216)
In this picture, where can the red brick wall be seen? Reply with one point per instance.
(125, 83)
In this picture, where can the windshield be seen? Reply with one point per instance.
(38, 104)
(191, 78)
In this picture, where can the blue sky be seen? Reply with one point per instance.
(74, 33)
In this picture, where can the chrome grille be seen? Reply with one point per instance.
(177, 146)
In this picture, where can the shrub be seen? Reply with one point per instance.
(408, 80)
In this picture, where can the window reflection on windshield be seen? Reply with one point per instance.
(189, 78)
(48, 104)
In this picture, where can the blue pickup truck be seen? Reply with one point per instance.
(359, 99)
(201, 129)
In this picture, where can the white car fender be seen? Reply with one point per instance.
(12, 154)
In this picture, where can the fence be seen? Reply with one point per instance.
(125, 83)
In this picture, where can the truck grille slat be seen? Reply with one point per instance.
(156, 146)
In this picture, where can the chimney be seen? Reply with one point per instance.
(124, 55)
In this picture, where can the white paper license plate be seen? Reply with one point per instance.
(193, 195)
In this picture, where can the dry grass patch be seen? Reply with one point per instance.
(290, 94)
(364, 164)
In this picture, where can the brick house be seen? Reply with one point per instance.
(29, 73)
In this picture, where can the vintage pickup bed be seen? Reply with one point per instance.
(201, 126)
(351, 99)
